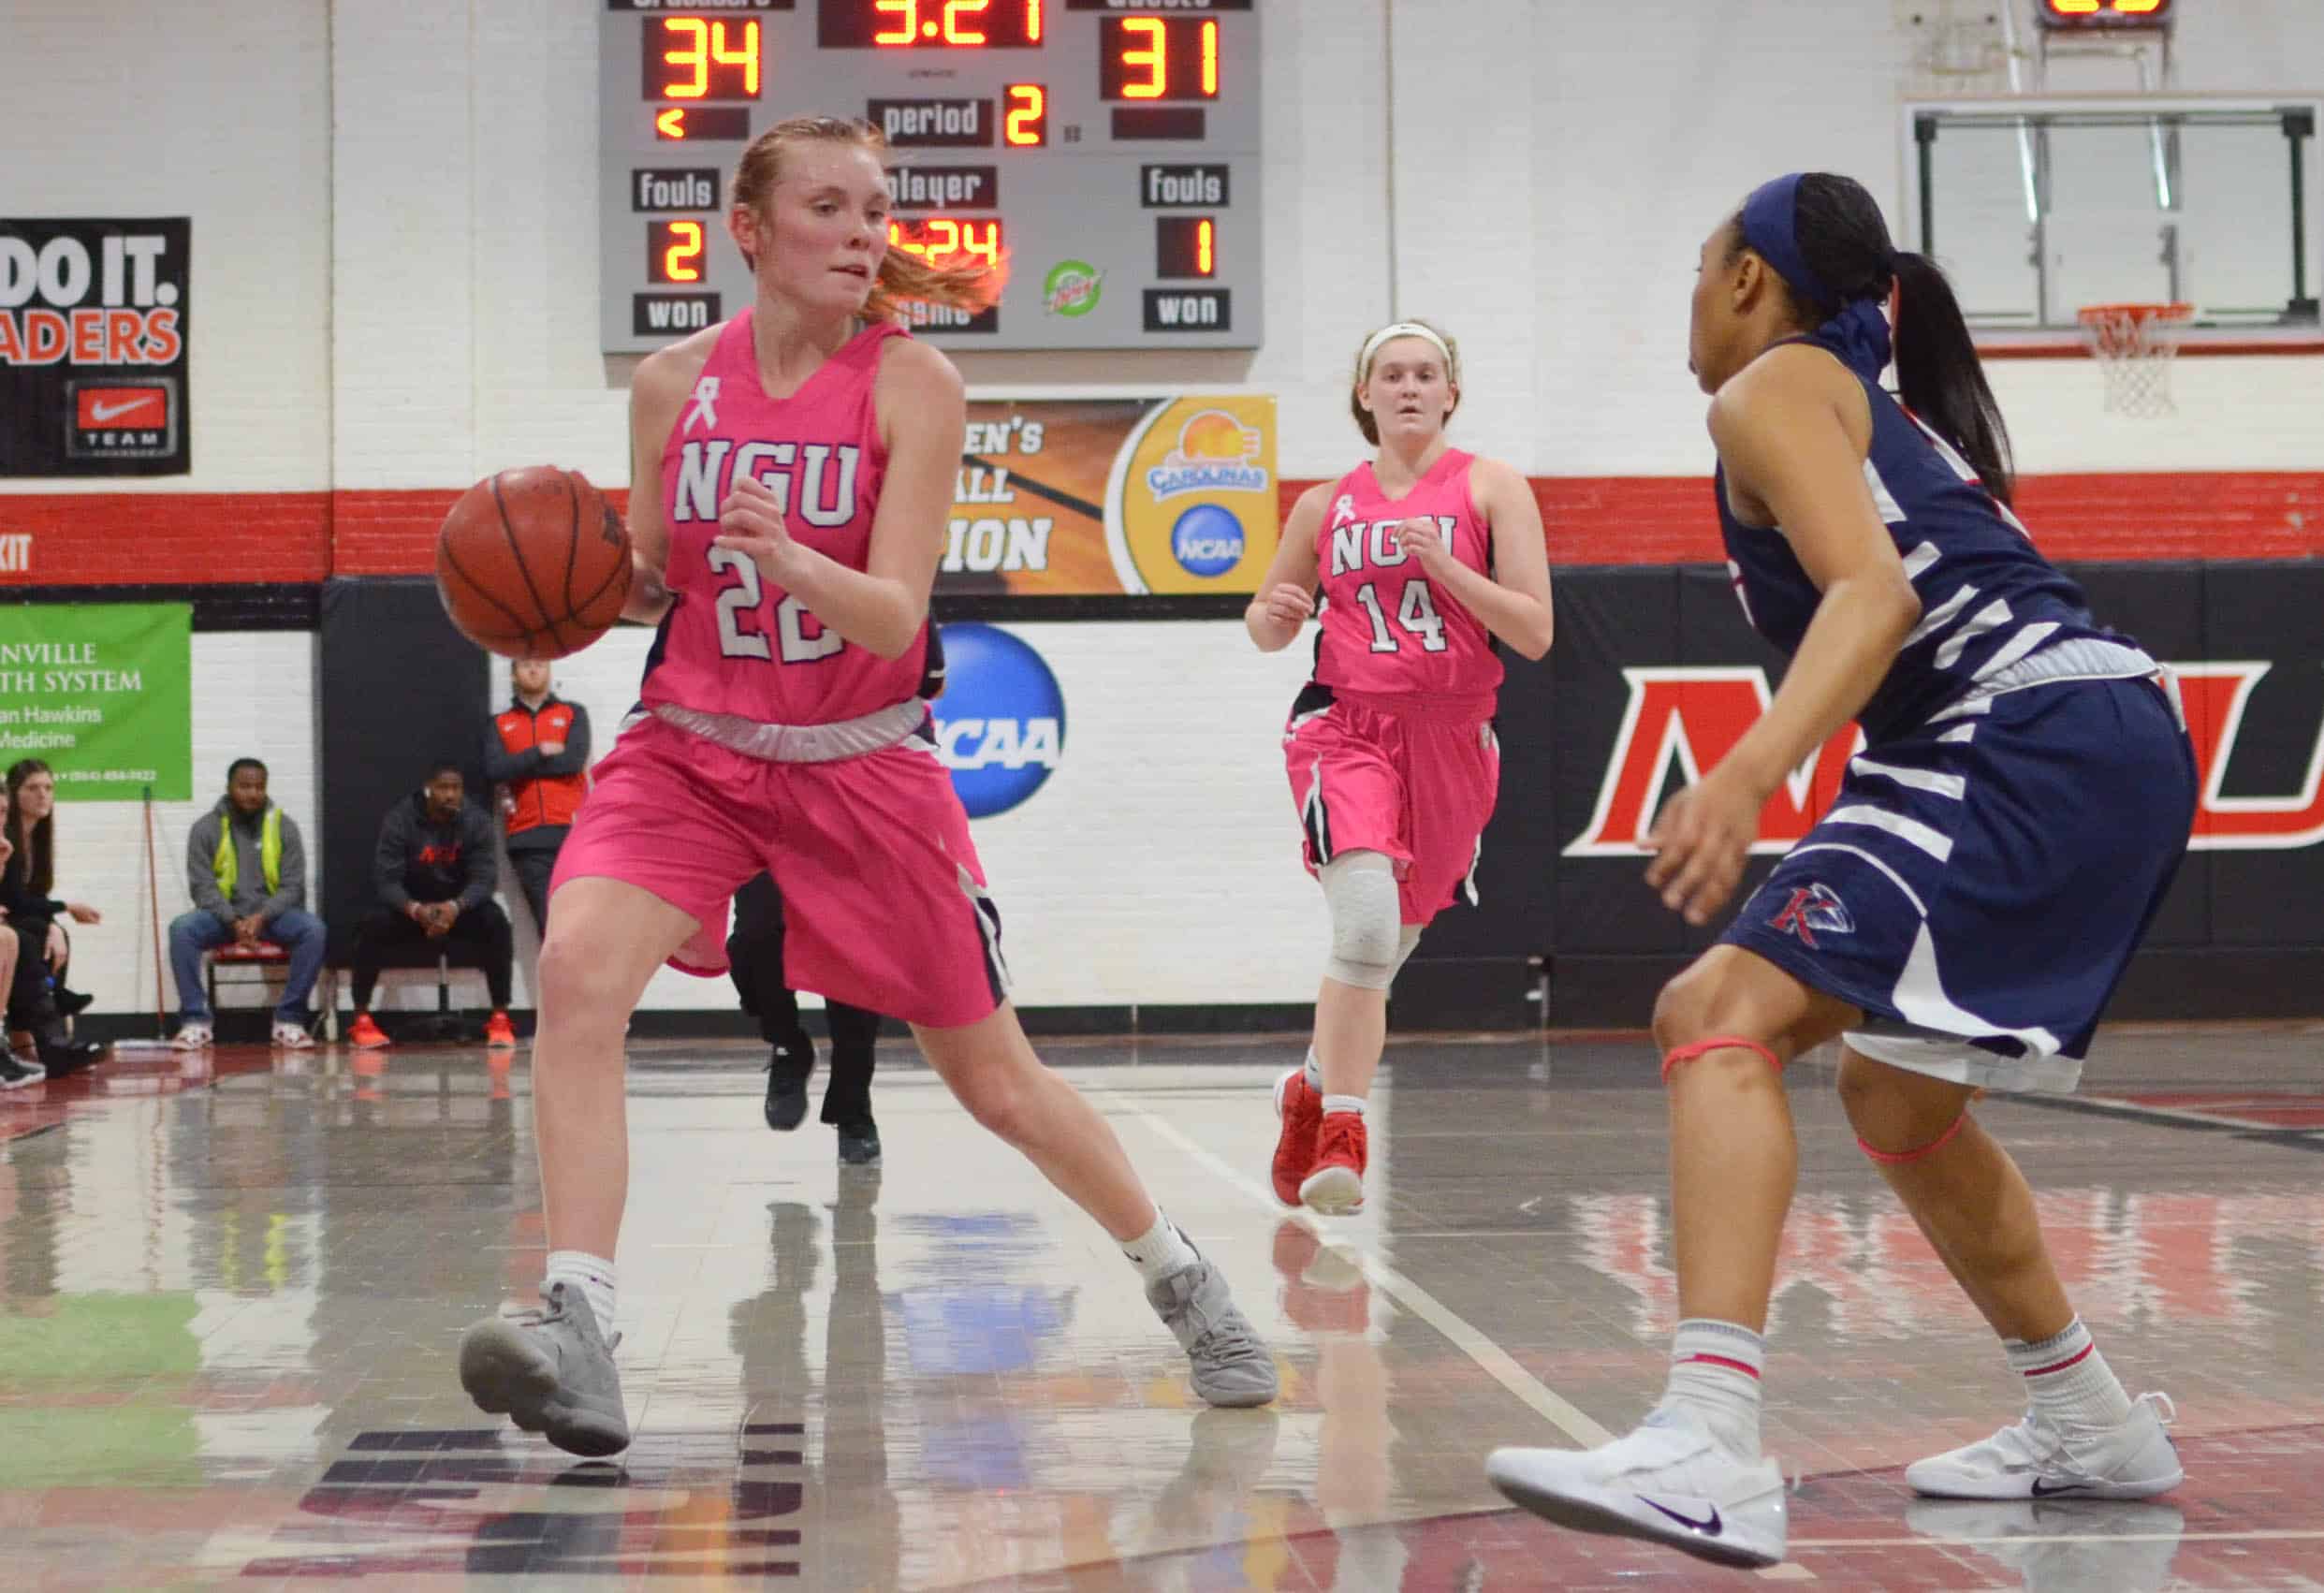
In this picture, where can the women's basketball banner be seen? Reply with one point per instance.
(1110, 497)
(102, 692)
(94, 327)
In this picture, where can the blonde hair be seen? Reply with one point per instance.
(1369, 350)
(959, 282)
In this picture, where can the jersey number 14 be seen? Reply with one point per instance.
(1416, 612)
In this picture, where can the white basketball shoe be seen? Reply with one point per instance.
(1668, 1482)
(2035, 1460)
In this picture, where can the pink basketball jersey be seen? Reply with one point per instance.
(1387, 631)
(736, 643)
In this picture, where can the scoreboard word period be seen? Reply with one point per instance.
(1108, 150)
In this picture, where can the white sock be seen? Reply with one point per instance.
(1315, 1070)
(1715, 1373)
(2069, 1382)
(1161, 1250)
(1343, 1104)
(593, 1276)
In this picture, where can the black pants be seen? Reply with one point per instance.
(479, 937)
(34, 932)
(534, 866)
(29, 1000)
(754, 956)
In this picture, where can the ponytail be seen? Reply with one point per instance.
(1845, 260)
(1938, 376)
(960, 283)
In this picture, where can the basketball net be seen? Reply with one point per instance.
(2133, 344)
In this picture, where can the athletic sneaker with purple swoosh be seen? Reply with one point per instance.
(1670, 1482)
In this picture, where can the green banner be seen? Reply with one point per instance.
(102, 692)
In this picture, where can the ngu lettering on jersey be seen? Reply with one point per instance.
(826, 474)
(1372, 544)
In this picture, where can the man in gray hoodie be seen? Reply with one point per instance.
(247, 868)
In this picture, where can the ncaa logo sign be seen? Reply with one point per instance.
(1207, 540)
(1000, 723)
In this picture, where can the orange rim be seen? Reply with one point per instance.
(2097, 315)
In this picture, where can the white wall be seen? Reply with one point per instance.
(213, 108)
(1651, 122)
(394, 212)
(396, 233)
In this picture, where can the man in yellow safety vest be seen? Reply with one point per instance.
(247, 869)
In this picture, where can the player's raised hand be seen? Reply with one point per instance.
(751, 522)
(1420, 538)
(1288, 604)
(1700, 844)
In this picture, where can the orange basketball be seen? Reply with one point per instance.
(532, 562)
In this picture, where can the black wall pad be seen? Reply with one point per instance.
(399, 687)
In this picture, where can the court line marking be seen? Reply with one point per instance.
(2260, 1535)
(2122, 1111)
(1497, 1362)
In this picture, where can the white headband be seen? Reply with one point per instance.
(1402, 329)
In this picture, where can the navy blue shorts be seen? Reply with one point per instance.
(1980, 884)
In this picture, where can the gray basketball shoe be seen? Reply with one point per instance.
(551, 1371)
(1231, 1367)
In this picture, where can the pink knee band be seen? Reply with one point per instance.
(1688, 1052)
(1898, 1158)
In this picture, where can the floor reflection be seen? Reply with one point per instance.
(229, 1288)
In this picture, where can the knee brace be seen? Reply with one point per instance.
(1688, 1052)
(1367, 919)
(1407, 937)
(1901, 1158)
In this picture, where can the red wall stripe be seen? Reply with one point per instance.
(99, 538)
(1669, 520)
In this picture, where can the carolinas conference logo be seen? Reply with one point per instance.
(1000, 723)
(1214, 454)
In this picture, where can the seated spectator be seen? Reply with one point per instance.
(30, 874)
(31, 986)
(536, 751)
(247, 869)
(15, 1072)
(434, 871)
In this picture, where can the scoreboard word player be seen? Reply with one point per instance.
(1109, 149)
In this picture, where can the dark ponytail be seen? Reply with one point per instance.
(1843, 239)
(1938, 376)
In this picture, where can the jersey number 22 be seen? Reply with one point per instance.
(735, 641)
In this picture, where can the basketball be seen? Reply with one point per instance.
(532, 562)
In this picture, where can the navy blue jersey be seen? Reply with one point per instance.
(1988, 599)
(1993, 858)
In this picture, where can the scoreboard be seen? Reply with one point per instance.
(1108, 150)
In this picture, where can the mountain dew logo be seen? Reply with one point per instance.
(1071, 288)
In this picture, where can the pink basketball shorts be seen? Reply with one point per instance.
(884, 899)
(1415, 786)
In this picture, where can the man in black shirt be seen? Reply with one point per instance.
(434, 870)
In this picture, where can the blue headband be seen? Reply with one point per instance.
(1855, 330)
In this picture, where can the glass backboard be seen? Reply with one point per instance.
(2038, 206)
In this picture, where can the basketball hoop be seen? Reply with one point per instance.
(2133, 344)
